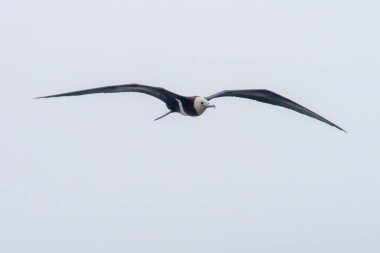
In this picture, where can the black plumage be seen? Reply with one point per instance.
(269, 97)
(195, 106)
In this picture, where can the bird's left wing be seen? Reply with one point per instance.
(160, 93)
(270, 97)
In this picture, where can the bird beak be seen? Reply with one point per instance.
(208, 106)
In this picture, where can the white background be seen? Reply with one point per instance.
(96, 174)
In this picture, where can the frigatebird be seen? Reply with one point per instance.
(196, 105)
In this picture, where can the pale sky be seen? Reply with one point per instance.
(96, 174)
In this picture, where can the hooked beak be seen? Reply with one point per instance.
(208, 106)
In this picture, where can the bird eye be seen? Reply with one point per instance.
(202, 103)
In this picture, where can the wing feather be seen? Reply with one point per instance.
(158, 92)
(272, 98)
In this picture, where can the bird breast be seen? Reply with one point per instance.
(181, 110)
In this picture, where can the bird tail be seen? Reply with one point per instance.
(166, 114)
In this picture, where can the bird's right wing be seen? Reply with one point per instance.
(270, 97)
(160, 93)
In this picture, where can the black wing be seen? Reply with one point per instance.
(270, 97)
(160, 93)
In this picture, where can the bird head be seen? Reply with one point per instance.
(201, 104)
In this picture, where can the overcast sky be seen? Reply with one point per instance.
(96, 174)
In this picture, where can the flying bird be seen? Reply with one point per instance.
(197, 105)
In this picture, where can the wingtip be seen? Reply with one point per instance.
(341, 129)
(45, 97)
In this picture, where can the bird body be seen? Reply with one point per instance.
(197, 105)
(192, 106)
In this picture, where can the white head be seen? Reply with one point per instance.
(201, 104)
